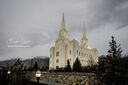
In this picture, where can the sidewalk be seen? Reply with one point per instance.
(48, 83)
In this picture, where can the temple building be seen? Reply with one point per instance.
(66, 49)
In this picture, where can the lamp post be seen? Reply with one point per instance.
(9, 72)
(38, 75)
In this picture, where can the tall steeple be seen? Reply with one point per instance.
(84, 35)
(63, 34)
(63, 22)
(84, 40)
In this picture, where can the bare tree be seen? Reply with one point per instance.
(92, 61)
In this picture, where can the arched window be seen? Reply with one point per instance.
(57, 67)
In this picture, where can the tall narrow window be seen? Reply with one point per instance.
(57, 53)
(70, 52)
(77, 52)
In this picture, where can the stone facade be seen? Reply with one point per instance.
(66, 49)
(65, 78)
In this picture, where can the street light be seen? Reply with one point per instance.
(9, 72)
(38, 75)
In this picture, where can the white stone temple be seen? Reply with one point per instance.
(65, 49)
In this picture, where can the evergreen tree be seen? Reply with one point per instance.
(115, 50)
(77, 65)
(112, 74)
(18, 62)
(35, 66)
(68, 68)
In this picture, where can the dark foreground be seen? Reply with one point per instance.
(25, 82)
(16, 78)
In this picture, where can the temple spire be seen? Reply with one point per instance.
(84, 40)
(84, 35)
(63, 34)
(63, 22)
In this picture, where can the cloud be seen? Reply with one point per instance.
(39, 21)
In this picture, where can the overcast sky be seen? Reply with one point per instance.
(37, 22)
